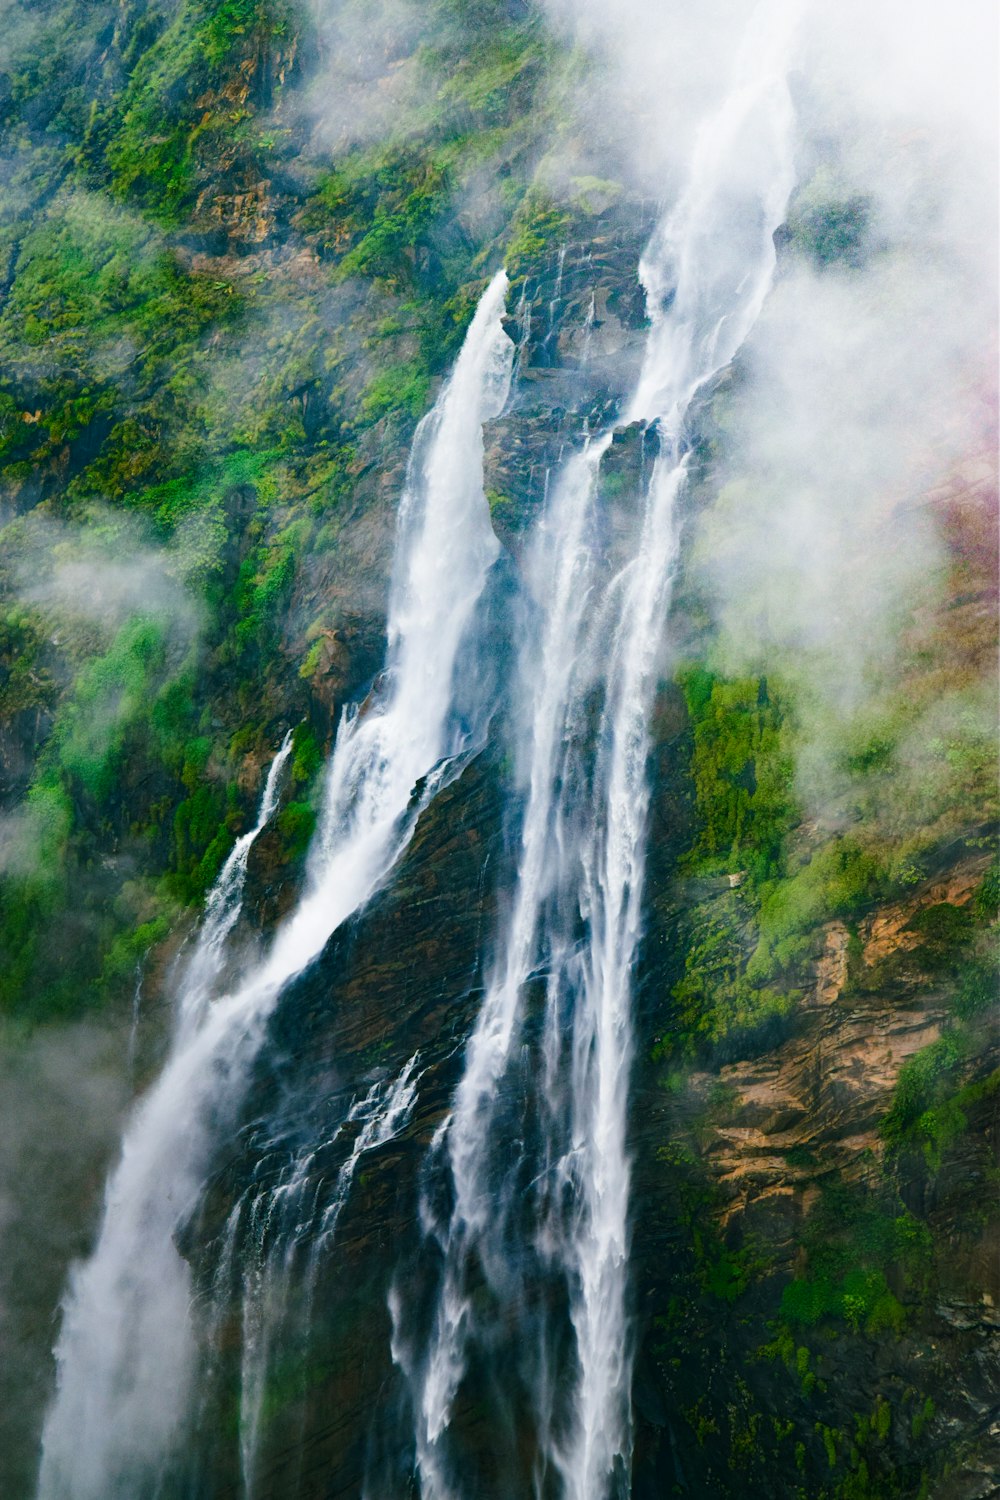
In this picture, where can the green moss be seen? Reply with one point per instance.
(827, 224)
(945, 929)
(400, 226)
(174, 103)
(742, 772)
(25, 682)
(842, 879)
(310, 664)
(882, 1422)
(726, 1273)
(265, 584)
(403, 389)
(829, 1439)
(202, 838)
(307, 757)
(714, 999)
(986, 901)
(922, 1088)
(111, 693)
(921, 1417)
(224, 413)
(486, 81)
(89, 274)
(128, 951)
(854, 1241)
(296, 822)
(536, 229)
(234, 20)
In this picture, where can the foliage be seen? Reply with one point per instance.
(201, 840)
(403, 388)
(742, 772)
(296, 822)
(25, 681)
(714, 998)
(844, 878)
(833, 231)
(828, 223)
(307, 755)
(856, 1241)
(945, 930)
(128, 952)
(860, 1298)
(929, 1109)
(158, 130)
(111, 693)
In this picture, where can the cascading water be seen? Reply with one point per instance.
(127, 1351)
(290, 1234)
(223, 904)
(590, 666)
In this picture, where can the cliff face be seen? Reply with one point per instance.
(220, 334)
(815, 1185)
(798, 1199)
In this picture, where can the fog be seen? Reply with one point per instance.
(62, 1093)
(870, 382)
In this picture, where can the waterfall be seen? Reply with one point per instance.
(127, 1352)
(224, 903)
(290, 1235)
(589, 667)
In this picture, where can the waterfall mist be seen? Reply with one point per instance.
(812, 551)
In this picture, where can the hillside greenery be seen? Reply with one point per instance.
(202, 349)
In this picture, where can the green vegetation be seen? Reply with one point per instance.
(159, 137)
(856, 1242)
(833, 231)
(828, 224)
(110, 694)
(537, 226)
(742, 772)
(759, 893)
(218, 334)
(169, 358)
(296, 822)
(842, 879)
(741, 769)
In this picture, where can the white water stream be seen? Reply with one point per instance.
(575, 917)
(223, 905)
(127, 1349)
(290, 1237)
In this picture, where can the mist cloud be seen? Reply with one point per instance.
(366, 69)
(81, 584)
(870, 380)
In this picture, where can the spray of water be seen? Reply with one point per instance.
(590, 668)
(127, 1350)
